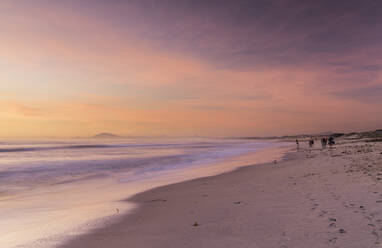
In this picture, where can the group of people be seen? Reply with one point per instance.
(324, 141)
(329, 141)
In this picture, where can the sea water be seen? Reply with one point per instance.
(53, 190)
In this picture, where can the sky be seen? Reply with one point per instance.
(184, 68)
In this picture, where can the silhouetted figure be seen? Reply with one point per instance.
(297, 144)
(311, 142)
(323, 142)
(331, 141)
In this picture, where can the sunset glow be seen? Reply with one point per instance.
(181, 68)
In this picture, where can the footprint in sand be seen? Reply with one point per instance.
(332, 224)
(315, 205)
(342, 230)
(322, 213)
(333, 240)
(284, 242)
(375, 233)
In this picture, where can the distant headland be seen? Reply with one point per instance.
(106, 136)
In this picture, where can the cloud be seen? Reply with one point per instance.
(371, 94)
(186, 67)
(246, 33)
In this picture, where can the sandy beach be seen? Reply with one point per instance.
(176, 124)
(312, 198)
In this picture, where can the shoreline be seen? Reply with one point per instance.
(311, 198)
(263, 156)
(90, 204)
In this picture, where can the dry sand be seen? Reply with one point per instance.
(313, 198)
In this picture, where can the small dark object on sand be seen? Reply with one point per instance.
(361, 207)
(237, 202)
(332, 219)
(342, 231)
(158, 200)
(195, 224)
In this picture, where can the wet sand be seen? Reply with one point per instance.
(313, 198)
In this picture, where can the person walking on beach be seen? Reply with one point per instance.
(331, 141)
(298, 145)
(311, 142)
(323, 142)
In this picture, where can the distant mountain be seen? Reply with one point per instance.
(106, 136)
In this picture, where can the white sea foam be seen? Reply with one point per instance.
(52, 190)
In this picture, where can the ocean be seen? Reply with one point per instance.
(51, 190)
